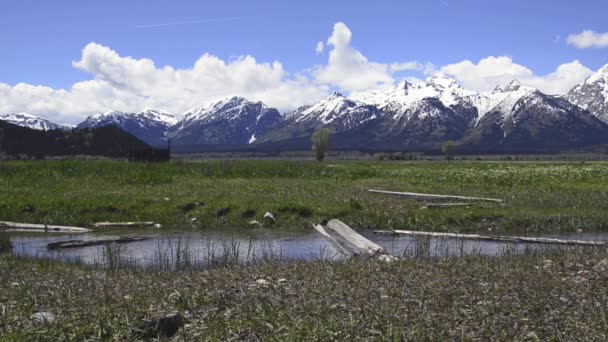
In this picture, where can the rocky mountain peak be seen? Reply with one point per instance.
(442, 81)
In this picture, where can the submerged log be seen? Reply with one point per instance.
(339, 233)
(47, 228)
(445, 205)
(89, 243)
(421, 196)
(123, 224)
(497, 238)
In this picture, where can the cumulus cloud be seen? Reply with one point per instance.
(492, 71)
(588, 39)
(129, 84)
(347, 68)
(319, 48)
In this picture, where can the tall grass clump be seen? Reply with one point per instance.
(5, 243)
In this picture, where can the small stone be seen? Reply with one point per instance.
(269, 217)
(158, 226)
(166, 199)
(386, 258)
(282, 280)
(42, 318)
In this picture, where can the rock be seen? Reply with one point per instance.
(269, 217)
(255, 223)
(164, 327)
(42, 318)
(166, 199)
(386, 258)
(282, 280)
(158, 226)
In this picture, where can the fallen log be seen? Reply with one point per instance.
(89, 243)
(445, 205)
(497, 238)
(356, 243)
(421, 196)
(123, 224)
(46, 228)
(341, 249)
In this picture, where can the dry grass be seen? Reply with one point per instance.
(558, 295)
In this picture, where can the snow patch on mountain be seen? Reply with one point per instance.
(31, 121)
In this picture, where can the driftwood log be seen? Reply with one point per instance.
(350, 243)
(444, 205)
(123, 224)
(498, 238)
(89, 243)
(420, 196)
(46, 228)
(332, 240)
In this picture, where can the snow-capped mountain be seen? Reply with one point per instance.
(397, 100)
(528, 120)
(501, 99)
(149, 125)
(32, 121)
(336, 112)
(231, 121)
(592, 94)
(423, 114)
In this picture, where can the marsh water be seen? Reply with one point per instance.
(205, 247)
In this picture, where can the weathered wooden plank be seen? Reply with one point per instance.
(89, 243)
(31, 227)
(341, 249)
(422, 196)
(498, 238)
(123, 224)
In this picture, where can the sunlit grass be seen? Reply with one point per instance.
(539, 197)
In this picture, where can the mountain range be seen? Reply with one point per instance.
(404, 116)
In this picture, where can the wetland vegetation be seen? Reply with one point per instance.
(534, 294)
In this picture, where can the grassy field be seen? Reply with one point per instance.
(539, 197)
(557, 295)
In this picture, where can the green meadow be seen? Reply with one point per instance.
(538, 197)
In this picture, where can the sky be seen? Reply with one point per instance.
(65, 60)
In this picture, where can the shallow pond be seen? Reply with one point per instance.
(168, 250)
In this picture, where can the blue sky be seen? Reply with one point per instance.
(41, 39)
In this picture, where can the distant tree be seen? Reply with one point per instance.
(320, 143)
(448, 150)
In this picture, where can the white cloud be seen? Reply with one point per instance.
(588, 39)
(347, 68)
(396, 67)
(129, 84)
(319, 48)
(492, 71)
